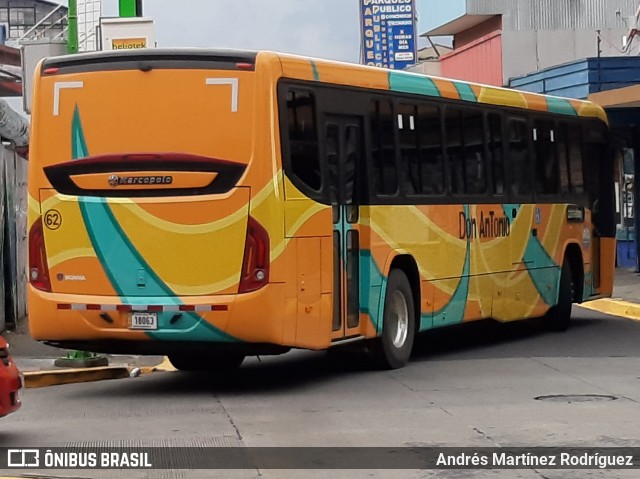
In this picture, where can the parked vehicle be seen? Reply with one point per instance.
(10, 381)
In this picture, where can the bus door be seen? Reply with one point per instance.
(344, 155)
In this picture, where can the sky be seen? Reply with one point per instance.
(320, 28)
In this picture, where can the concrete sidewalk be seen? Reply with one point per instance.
(627, 285)
(35, 361)
(31, 355)
(625, 300)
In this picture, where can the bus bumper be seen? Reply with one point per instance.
(256, 317)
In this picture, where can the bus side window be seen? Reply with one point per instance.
(431, 157)
(545, 165)
(455, 150)
(409, 152)
(303, 138)
(474, 166)
(496, 155)
(518, 145)
(383, 148)
(331, 147)
(575, 160)
(594, 157)
(562, 144)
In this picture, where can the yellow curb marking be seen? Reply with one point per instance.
(165, 365)
(615, 307)
(39, 379)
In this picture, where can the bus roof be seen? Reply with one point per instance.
(327, 71)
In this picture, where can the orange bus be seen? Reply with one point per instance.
(208, 205)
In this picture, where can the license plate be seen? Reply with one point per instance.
(144, 321)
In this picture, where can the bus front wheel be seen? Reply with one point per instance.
(206, 362)
(393, 348)
(559, 316)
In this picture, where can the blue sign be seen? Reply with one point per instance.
(388, 33)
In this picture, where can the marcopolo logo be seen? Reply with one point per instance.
(115, 180)
(23, 458)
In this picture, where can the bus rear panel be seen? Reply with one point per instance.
(141, 189)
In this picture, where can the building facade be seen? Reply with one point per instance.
(31, 18)
(495, 40)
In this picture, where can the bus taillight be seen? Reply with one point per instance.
(255, 265)
(38, 269)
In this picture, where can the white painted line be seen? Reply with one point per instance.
(233, 82)
(57, 88)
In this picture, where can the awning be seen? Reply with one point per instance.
(627, 97)
(457, 25)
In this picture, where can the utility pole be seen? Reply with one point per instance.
(72, 36)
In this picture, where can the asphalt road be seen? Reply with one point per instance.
(476, 385)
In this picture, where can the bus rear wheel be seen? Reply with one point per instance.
(393, 348)
(559, 316)
(206, 361)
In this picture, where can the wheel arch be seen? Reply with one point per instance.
(407, 264)
(573, 254)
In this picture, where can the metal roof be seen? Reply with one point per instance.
(581, 78)
(532, 15)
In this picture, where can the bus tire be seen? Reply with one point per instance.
(206, 362)
(559, 316)
(393, 348)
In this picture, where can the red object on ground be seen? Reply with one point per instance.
(10, 381)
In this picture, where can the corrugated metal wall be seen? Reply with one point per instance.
(581, 78)
(13, 238)
(529, 51)
(538, 34)
(480, 61)
(556, 14)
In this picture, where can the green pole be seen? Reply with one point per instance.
(72, 37)
(128, 8)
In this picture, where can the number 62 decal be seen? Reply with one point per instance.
(53, 219)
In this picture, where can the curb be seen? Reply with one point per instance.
(615, 307)
(40, 379)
